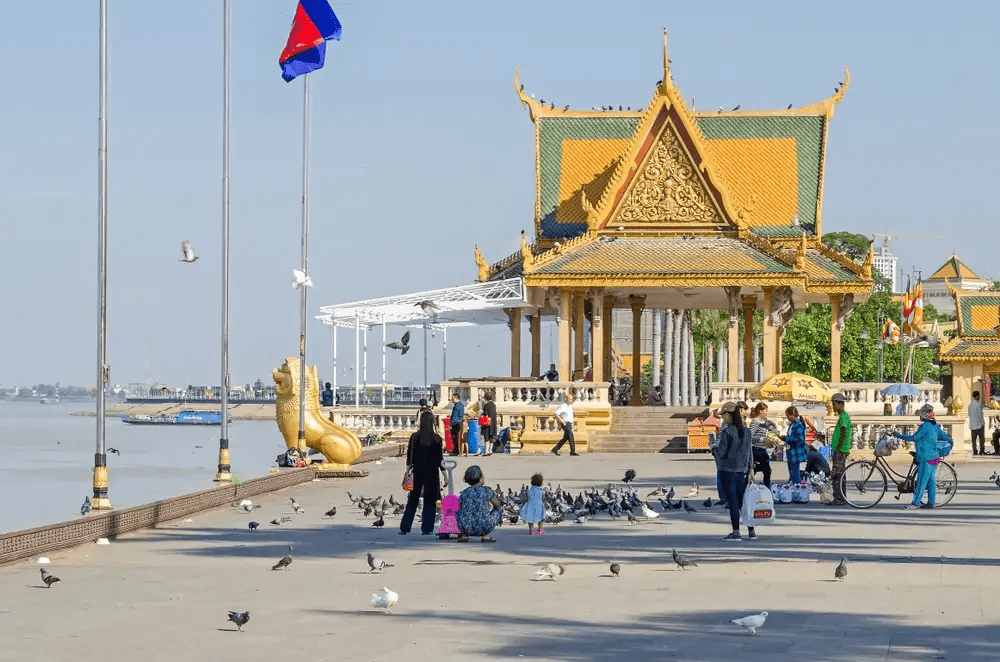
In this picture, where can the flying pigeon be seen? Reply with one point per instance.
(375, 563)
(401, 344)
(253, 525)
(682, 562)
(737, 107)
(385, 599)
(285, 561)
(430, 308)
(841, 570)
(549, 571)
(751, 622)
(114, 450)
(789, 107)
(240, 618)
(189, 254)
(48, 579)
(615, 569)
(331, 512)
(85, 508)
(629, 476)
(379, 523)
(301, 280)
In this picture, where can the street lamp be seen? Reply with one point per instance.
(864, 354)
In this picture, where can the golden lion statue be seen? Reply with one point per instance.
(337, 444)
(955, 405)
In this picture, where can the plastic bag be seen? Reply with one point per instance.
(758, 506)
(784, 494)
(944, 448)
(800, 494)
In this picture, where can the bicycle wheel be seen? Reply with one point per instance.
(863, 484)
(947, 483)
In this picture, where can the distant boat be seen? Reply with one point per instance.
(50, 401)
(186, 417)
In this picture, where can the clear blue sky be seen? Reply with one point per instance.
(420, 150)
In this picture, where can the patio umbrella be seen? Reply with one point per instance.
(900, 390)
(793, 386)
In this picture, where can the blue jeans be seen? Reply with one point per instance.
(793, 472)
(718, 486)
(734, 484)
(925, 481)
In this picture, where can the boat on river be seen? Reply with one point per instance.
(186, 417)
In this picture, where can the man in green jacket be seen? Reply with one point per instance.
(840, 447)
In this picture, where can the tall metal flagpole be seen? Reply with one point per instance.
(305, 263)
(225, 470)
(101, 500)
(383, 362)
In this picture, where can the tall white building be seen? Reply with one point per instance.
(885, 263)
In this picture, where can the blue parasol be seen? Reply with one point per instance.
(901, 389)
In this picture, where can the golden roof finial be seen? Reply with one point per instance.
(800, 255)
(526, 255)
(484, 269)
(866, 266)
(666, 59)
(951, 288)
(527, 100)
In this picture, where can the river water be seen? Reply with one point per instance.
(48, 457)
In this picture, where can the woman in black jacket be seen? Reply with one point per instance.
(423, 457)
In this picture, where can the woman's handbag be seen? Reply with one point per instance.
(408, 480)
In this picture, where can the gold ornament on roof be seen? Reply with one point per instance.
(745, 215)
(526, 255)
(866, 266)
(800, 255)
(484, 269)
(669, 189)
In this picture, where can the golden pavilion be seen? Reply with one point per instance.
(668, 207)
(974, 348)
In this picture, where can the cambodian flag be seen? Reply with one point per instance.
(314, 24)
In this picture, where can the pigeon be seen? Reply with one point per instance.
(250, 507)
(648, 512)
(632, 519)
(276, 522)
(707, 503)
(751, 622)
(253, 525)
(629, 476)
(48, 579)
(331, 512)
(188, 251)
(85, 508)
(115, 451)
(379, 523)
(670, 494)
(688, 508)
(737, 107)
(402, 344)
(301, 280)
(385, 599)
(549, 571)
(430, 308)
(285, 518)
(693, 492)
(375, 563)
(615, 569)
(581, 518)
(240, 618)
(841, 570)
(285, 561)
(298, 509)
(682, 562)
(789, 107)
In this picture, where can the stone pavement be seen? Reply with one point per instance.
(923, 585)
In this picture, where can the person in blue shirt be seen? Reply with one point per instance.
(327, 396)
(796, 451)
(456, 418)
(926, 455)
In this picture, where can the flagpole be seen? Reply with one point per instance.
(305, 264)
(224, 469)
(100, 500)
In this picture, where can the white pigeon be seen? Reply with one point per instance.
(649, 512)
(751, 622)
(301, 280)
(385, 599)
(298, 509)
(695, 490)
(430, 308)
(549, 571)
(189, 254)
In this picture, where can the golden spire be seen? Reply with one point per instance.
(666, 59)
(866, 266)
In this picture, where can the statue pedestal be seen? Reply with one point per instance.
(330, 466)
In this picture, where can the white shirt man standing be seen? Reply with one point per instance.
(977, 424)
(565, 414)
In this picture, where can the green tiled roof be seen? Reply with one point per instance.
(966, 304)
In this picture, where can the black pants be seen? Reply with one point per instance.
(567, 436)
(456, 438)
(996, 442)
(429, 486)
(762, 463)
(981, 434)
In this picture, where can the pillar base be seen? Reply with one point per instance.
(223, 477)
(331, 466)
(103, 503)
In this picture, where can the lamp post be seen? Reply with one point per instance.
(864, 354)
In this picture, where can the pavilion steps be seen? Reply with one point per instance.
(646, 430)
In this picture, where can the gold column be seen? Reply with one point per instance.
(606, 329)
(563, 301)
(578, 323)
(834, 338)
(770, 365)
(597, 335)
(637, 303)
(535, 325)
(749, 359)
(733, 353)
(514, 323)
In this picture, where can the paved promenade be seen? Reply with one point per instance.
(923, 585)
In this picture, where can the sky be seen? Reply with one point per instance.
(420, 150)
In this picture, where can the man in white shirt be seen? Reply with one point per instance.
(565, 414)
(977, 424)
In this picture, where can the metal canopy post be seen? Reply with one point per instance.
(383, 362)
(357, 360)
(444, 354)
(364, 361)
(334, 364)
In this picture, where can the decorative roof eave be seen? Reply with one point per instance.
(844, 262)
(665, 280)
(839, 287)
(558, 249)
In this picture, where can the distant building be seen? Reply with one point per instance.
(959, 276)
(885, 263)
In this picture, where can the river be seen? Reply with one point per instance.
(48, 457)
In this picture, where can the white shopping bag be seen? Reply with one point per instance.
(784, 494)
(758, 506)
(800, 494)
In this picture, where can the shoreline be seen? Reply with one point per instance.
(238, 412)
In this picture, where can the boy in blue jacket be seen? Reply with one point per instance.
(925, 441)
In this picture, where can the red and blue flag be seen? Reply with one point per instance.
(314, 25)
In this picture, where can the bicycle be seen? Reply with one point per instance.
(865, 482)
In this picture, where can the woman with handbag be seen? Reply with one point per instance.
(423, 461)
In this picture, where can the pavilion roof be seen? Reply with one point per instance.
(954, 268)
